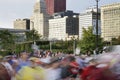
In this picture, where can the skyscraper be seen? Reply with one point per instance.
(54, 6)
(40, 6)
(39, 19)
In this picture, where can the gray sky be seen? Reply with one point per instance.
(14, 9)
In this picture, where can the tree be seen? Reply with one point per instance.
(116, 41)
(32, 35)
(87, 43)
(7, 40)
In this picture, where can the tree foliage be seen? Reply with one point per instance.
(116, 41)
(7, 40)
(32, 35)
(87, 43)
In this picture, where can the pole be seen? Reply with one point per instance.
(74, 46)
(50, 46)
(97, 26)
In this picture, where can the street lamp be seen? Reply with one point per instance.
(97, 25)
(50, 43)
(50, 46)
(74, 46)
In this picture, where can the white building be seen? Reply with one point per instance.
(39, 19)
(110, 21)
(57, 28)
(88, 19)
(63, 27)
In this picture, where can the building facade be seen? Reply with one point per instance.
(88, 19)
(22, 24)
(110, 25)
(39, 19)
(54, 6)
(63, 26)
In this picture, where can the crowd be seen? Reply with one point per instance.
(44, 65)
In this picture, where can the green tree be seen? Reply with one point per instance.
(115, 41)
(32, 35)
(7, 40)
(118, 40)
(87, 43)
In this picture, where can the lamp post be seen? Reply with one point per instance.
(97, 25)
(50, 43)
(74, 46)
(51, 46)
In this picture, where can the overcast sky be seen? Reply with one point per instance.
(14, 9)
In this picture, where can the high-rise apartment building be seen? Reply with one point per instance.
(110, 21)
(88, 19)
(39, 19)
(22, 24)
(54, 6)
(63, 26)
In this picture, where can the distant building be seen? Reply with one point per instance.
(22, 24)
(88, 19)
(63, 26)
(21, 37)
(110, 17)
(39, 19)
(40, 6)
(54, 6)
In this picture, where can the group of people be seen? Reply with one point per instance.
(44, 65)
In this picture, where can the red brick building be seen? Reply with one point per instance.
(54, 6)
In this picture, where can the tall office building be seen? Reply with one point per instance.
(22, 24)
(39, 19)
(54, 6)
(88, 19)
(63, 26)
(110, 17)
(40, 6)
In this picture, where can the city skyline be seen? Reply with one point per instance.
(11, 10)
